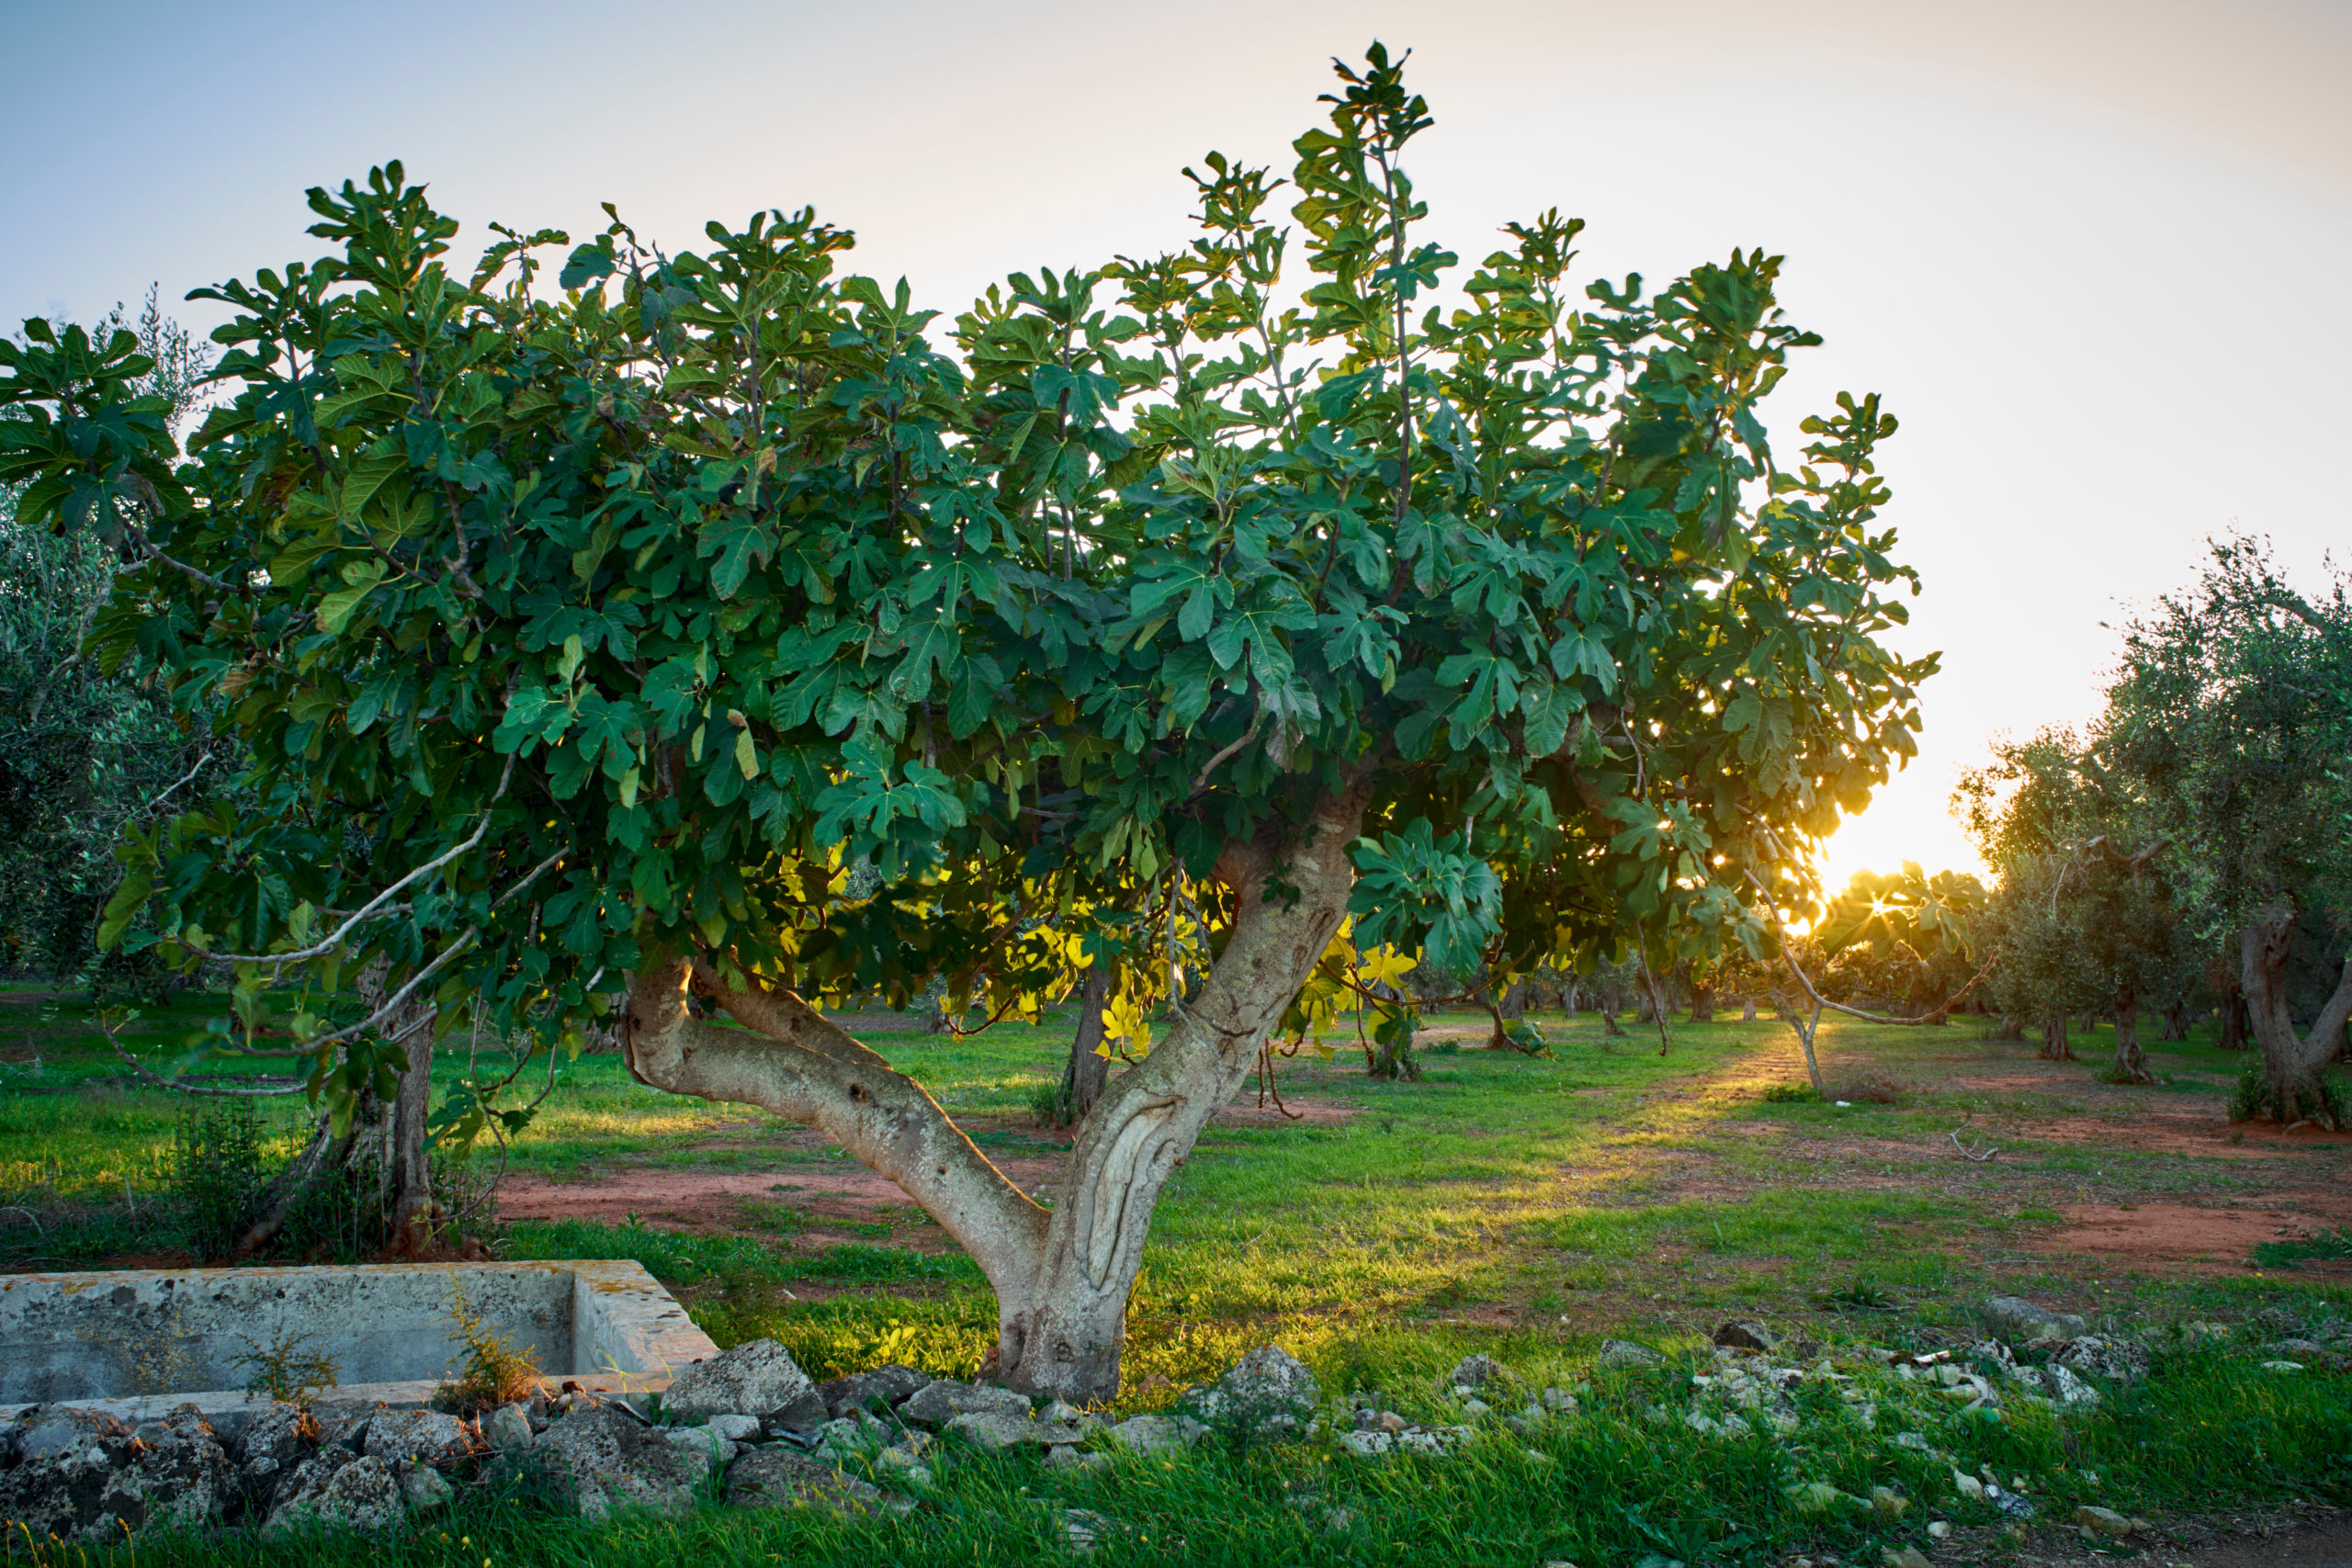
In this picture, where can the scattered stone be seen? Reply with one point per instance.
(2102, 1356)
(1966, 1484)
(706, 1438)
(993, 1431)
(1888, 1504)
(339, 1489)
(273, 1441)
(1559, 1400)
(2282, 1366)
(343, 1423)
(893, 1385)
(2068, 1389)
(1367, 1445)
(758, 1375)
(1268, 1392)
(508, 1429)
(425, 1488)
(1815, 1497)
(776, 1477)
(1158, 1434)
(735, 1429)
(902, 1462)
(942, 1399)
(1474, 1373)
(431, 1436)
(1940, 1529)
(2020, 1322)
(2104, 1521)
(1905, 1557)
(2202, 1333)
(1748, 1336)
(613, 1461)
(83, 1476)
(800, 1415)
(1082, 1528)
(1067, 1458)
(1624, 1353)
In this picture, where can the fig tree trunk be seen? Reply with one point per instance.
(2291, 1062)
(1061, 1276)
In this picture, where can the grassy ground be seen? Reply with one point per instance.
(1525, 1207)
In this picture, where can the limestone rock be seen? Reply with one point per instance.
(508, 1429)
(800, 1415)
(1748, 1336)
(2105, 1521)
(774, 1477)
(274, 1440)
(431, 1436)
(893, 1385)
(614, 1461)
(83, 1476)
(753, 1378)
(706, 1438)
(1066, 1457)
(2020, 1322)
(993, 1431)
(1268, 1392)
(338, 1488)
(425, 1488)
(735, 1429)
(1158, 1434)
(1476, 1373)
(2068, 1389)
(942, 1399)
(1624, 1353)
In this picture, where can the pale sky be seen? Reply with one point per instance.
(2092, 254)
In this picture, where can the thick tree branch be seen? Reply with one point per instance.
(791, 1060)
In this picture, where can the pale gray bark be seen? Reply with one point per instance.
(1061, 1276)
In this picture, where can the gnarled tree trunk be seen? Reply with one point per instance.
(2175, 1027)
(2054, 1045)
(1061, 1276)
(2291, 1062)
(2131, 1062)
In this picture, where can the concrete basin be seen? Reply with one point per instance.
(140, 1341)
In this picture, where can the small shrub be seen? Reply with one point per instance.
(2326, 1102)
(490, 1373)
(1862, 1295)
(286, 1370)
(1791, 1094)
(217, 1175)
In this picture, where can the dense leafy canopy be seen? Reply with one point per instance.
(720, 602)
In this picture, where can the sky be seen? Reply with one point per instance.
(2092, 254)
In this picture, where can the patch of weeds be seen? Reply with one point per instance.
(1790, 1094)
(2324, 1244)
(869, 1228)
(217, 1173)
(1871, 1090)
(492, 1372)
(287, 1369)
(1862, 1295)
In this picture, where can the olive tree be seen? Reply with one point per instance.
(2231, 716)
(706, 620)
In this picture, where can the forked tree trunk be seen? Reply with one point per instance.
(2131, 1062)
(1062, 1276)
(2291, 1062)
(1804, 1015)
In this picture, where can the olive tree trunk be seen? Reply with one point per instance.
(2131, 1062)
(1061, 1276)
(1088, 1070)
(2291, 1062)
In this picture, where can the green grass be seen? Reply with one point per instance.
(1525, 1207)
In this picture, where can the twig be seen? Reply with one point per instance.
(140, 1070)
(1209, 767)
(1965, 1152)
